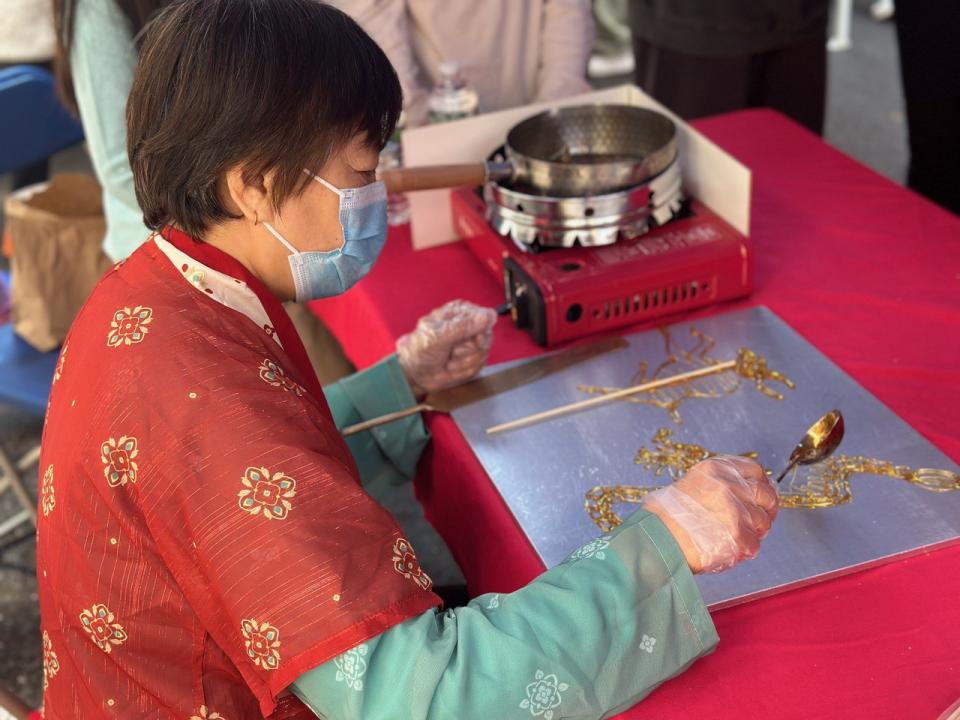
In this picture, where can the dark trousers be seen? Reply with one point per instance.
(792, 80)
(929, 37)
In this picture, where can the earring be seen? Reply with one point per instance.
(256, 218)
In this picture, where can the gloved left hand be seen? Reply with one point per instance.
(448, 346)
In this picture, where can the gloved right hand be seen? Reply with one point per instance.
(448, 346)
(718, 512)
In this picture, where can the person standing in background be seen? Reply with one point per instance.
(96, 54)
(513, 53)
(703, 57)
(26, 37)
(26, 32)
(930, 67)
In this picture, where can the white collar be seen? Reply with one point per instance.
(228, 291)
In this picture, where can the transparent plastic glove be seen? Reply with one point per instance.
(719, 512)
(448, 346)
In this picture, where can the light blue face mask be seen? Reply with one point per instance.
(363, 217)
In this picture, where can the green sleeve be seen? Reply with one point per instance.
(389, 453)
(587, 639)
(102, 60)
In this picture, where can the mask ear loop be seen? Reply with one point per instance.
(273, 231)
(323, 182)
(340, 194)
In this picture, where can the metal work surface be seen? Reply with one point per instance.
(881, 502)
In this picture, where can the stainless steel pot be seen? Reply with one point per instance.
(564, 152)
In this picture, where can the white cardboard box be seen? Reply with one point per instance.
(709, 174)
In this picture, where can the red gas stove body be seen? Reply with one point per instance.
(563, 294)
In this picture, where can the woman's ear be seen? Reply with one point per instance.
(250, 194)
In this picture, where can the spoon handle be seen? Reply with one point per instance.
(790, 465)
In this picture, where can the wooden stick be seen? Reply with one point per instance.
(610, 397)
(480, 388)
(384, 419)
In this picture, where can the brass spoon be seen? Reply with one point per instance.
(818, 444)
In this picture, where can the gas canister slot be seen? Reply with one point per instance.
(650, 300)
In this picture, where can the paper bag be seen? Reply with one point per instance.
(57, 231)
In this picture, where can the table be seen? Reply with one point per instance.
(870, 274)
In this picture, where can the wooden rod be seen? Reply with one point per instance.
(384, 419)
(610, 397)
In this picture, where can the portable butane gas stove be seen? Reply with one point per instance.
(575, 266)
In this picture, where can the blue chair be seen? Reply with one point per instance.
(25, 379)
(33, 123)
(33, 126)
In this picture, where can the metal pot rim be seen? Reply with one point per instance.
(658, 159)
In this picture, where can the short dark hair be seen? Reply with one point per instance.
(266, 84)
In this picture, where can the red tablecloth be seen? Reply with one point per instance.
(870, 274)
